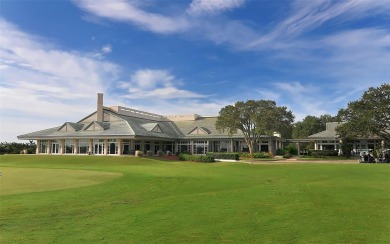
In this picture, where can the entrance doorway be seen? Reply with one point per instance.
(98, 146)
(55, 148)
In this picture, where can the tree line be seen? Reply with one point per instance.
(17, 148)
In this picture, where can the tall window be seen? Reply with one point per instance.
(126, 147)
(225, 146)
(184, 147)
(112, 146)
(147, 145)
(55, 147)
(42, 146)
(169, 146)
(83, 146)
(200, 147)
(137, 145)
(69, 147)
(98, 146)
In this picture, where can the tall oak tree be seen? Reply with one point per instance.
(255, 119)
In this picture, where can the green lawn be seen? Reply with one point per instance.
(153, 201)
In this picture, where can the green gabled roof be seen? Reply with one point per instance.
(132, 126)
(206, 124)
(38, 134)
(76, 126)
(144, 127)
(149, 126)
(73, 126)
(115, 128)
(329, 133)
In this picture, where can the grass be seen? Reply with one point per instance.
(22, 180)
(157, 201)
(341, 157)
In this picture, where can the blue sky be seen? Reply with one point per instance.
(185, 56)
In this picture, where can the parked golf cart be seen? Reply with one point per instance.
(384, 156)
(366, 157)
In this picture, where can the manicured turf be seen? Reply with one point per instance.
(22, 180)
(179, 202)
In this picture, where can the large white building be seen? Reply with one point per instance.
(328, 140)
(118, 130)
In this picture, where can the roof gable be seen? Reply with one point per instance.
(199, 131)
(69, 126)
(153, 127)
(97, 126)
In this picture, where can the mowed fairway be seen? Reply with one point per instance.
(155, 201)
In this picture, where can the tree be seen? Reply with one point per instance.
(368, 116)
(311, 125)
(16, 148)
(254, 119)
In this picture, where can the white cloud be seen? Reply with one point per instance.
(180, 106)
(125, 11)
(41, 80)
(156, 83)
(308, 15)
(213, 6)
(268, 95)
(106, 49)
(150, 78)
(162, 93)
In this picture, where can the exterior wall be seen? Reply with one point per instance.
(116, 146)
(358, 145)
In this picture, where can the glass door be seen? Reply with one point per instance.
(98, 146)
(55, 146)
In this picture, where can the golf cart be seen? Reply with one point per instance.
(366, 157)
(384, 156)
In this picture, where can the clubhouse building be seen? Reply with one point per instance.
(328, 140)
(119, 130)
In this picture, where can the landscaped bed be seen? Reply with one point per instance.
(179, 202)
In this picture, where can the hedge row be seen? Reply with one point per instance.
(196, 158)
(256, 155)
(323, 153)
(219, 155)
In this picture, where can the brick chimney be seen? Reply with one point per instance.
(99, 111)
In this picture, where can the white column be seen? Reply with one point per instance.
(75, 146)
(62, 146)
(48, 147)
(90, 149)
(38, 146)
(105, 147)
(119, 144)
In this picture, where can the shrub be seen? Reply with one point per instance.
(280, 151)
(323, 153)
(169, 153)
(149, 153)
(196, 158)
(255, 155)
(287, 155)
(291, 149)
(160, 153)
(232, 156)
(138, 153)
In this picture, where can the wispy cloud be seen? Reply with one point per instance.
(308, 15)
(213, 6)
(40, 79)
(125, 11)
(106, 49)
(159, 84)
